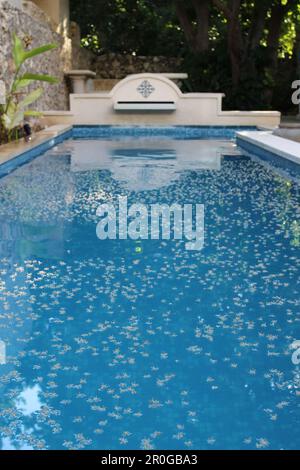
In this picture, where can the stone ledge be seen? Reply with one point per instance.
(290, 125)
(80, 73)
(58, 113)
(17, 148)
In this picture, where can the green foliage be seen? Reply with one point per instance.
(38, 51)
(14, 111)
(142, 27)
(154, 27)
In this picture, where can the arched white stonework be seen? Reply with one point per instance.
(161, 104)
(156, 88)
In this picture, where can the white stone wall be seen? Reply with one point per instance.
(201, 109)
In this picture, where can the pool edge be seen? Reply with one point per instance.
(258, 142)
(17, 153)
(262, 143)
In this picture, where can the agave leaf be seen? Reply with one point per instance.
(39, 50)
(11, 110)
(29, 78)
(31, 98)
(8, 116)
(21, 83)
(18, 51)
(6, 121)
(17, 119)
(39, 77)
(11, 121)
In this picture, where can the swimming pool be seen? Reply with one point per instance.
(130, 344)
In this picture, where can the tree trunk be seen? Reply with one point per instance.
(275, 25)
(253, 40)
(297, 54)
(235, 49)
(258, 24)
(185, 22)
(197, 38)
(202, 9)
(231, 12)
(297, 51)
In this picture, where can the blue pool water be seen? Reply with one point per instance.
(143, 344)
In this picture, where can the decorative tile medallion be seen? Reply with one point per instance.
(145, 89)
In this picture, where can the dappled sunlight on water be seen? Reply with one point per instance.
(142, 344)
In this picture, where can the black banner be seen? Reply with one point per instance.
(138, 459)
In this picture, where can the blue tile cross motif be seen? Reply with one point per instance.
(145, 89)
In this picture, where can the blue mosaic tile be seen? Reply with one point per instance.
(176, 132)
(28, 155)
(292, 168)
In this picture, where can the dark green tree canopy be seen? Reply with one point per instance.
(249, 49)
(143, 27)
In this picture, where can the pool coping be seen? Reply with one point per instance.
(252, 141)
(46, 136)
(51, 134)
(260, 142)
